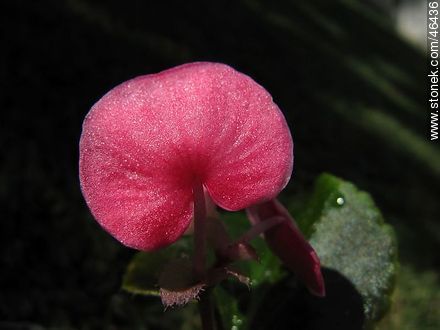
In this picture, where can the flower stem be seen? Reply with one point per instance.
(200, 231)
(260, 228)
(200, 238)
(206, 310)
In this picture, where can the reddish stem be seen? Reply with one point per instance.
(206, 310)
(260, 228)
(200, 230)
(200, 238)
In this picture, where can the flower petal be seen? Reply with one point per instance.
(140, 207)
(147, 140)
(252, 153)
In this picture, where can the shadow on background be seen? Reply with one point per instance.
(352, 91)
(287, 307)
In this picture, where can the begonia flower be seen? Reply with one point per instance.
(152, 144)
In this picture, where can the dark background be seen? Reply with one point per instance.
(354, 93)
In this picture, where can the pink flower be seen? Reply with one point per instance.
(150, 141)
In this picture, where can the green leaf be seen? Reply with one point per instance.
(349, 234)
(142, 274)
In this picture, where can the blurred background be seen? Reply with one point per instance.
(349, 75)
